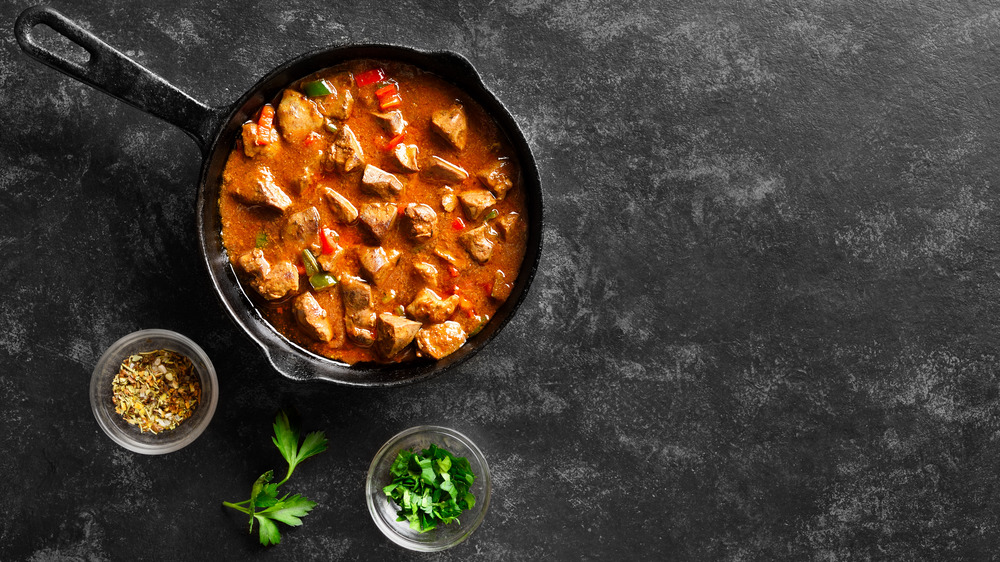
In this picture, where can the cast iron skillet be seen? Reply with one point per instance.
(215, 130)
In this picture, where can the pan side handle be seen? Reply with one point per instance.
(115, 74)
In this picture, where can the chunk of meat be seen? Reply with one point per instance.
(331, 301)
(440, 340)
(312, 317)
(476, 241)
(378, 218)
(357, 327)
(297, 116)
(303, 181)
(251, 134)
(391, 121)
(282, 281)
(330, 261)
(254, 263)
(419, 222)
(359, 318)
(496, 178)
(450, 124)
(356, 293)
(263, 191)
(302, 227)
(375, 263)
(427, 272)
(393, 334)
(404, 158)
(380, 183)
(476, 202)
(427, 306)
(345, 153)
(509, 225)
(271, 282)
(443, 170)
(449, 202)
(338, 104)
(448, 257)
(501, 288)
(343, 210)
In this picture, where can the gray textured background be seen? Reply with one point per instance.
(763, 327)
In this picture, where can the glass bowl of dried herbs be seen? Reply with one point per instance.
(154, 391)
(428, 488)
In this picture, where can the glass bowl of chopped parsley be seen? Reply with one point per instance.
(428, 488)
(154, 391)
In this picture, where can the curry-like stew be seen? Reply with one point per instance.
(374, 212)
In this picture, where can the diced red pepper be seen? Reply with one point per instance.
(264, 124)
(390, 102)
(266, 118)
(312, 138)
(453, 271)
(394, 141)
(369, 77)
(389, 88)
(458, 223)
(327, 241)
(301, 268)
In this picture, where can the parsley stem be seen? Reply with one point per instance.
(291, 469)
(237, 506)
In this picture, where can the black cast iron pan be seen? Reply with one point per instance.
(215, 130)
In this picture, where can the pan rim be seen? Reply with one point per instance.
(288, 358)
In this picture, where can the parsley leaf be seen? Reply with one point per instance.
(289, 510)
(269, 533)
(255, 491)
(264, 494)
(430, 487)
(286, 439)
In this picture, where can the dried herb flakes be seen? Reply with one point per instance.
(156, 390)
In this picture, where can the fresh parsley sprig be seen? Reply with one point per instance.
(288, 509)
(430, 487)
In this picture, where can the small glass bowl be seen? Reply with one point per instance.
(383, 510)
(128, 435)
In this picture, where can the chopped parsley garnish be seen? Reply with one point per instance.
(430, 487)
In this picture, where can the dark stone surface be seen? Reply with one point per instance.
(764, 325)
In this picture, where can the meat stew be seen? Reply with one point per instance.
(373, 212)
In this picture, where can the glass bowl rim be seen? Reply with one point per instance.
(482, 504)
(207, 375)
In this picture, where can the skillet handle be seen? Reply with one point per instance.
(115, 74)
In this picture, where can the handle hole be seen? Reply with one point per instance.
(59, 44)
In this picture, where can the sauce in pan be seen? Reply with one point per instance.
(374, 212)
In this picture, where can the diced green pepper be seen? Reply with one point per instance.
(400, 311)
(317, 88)
(310, 263)
(322, 281)
(331, 126)
(261, 240)
(492, 214)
